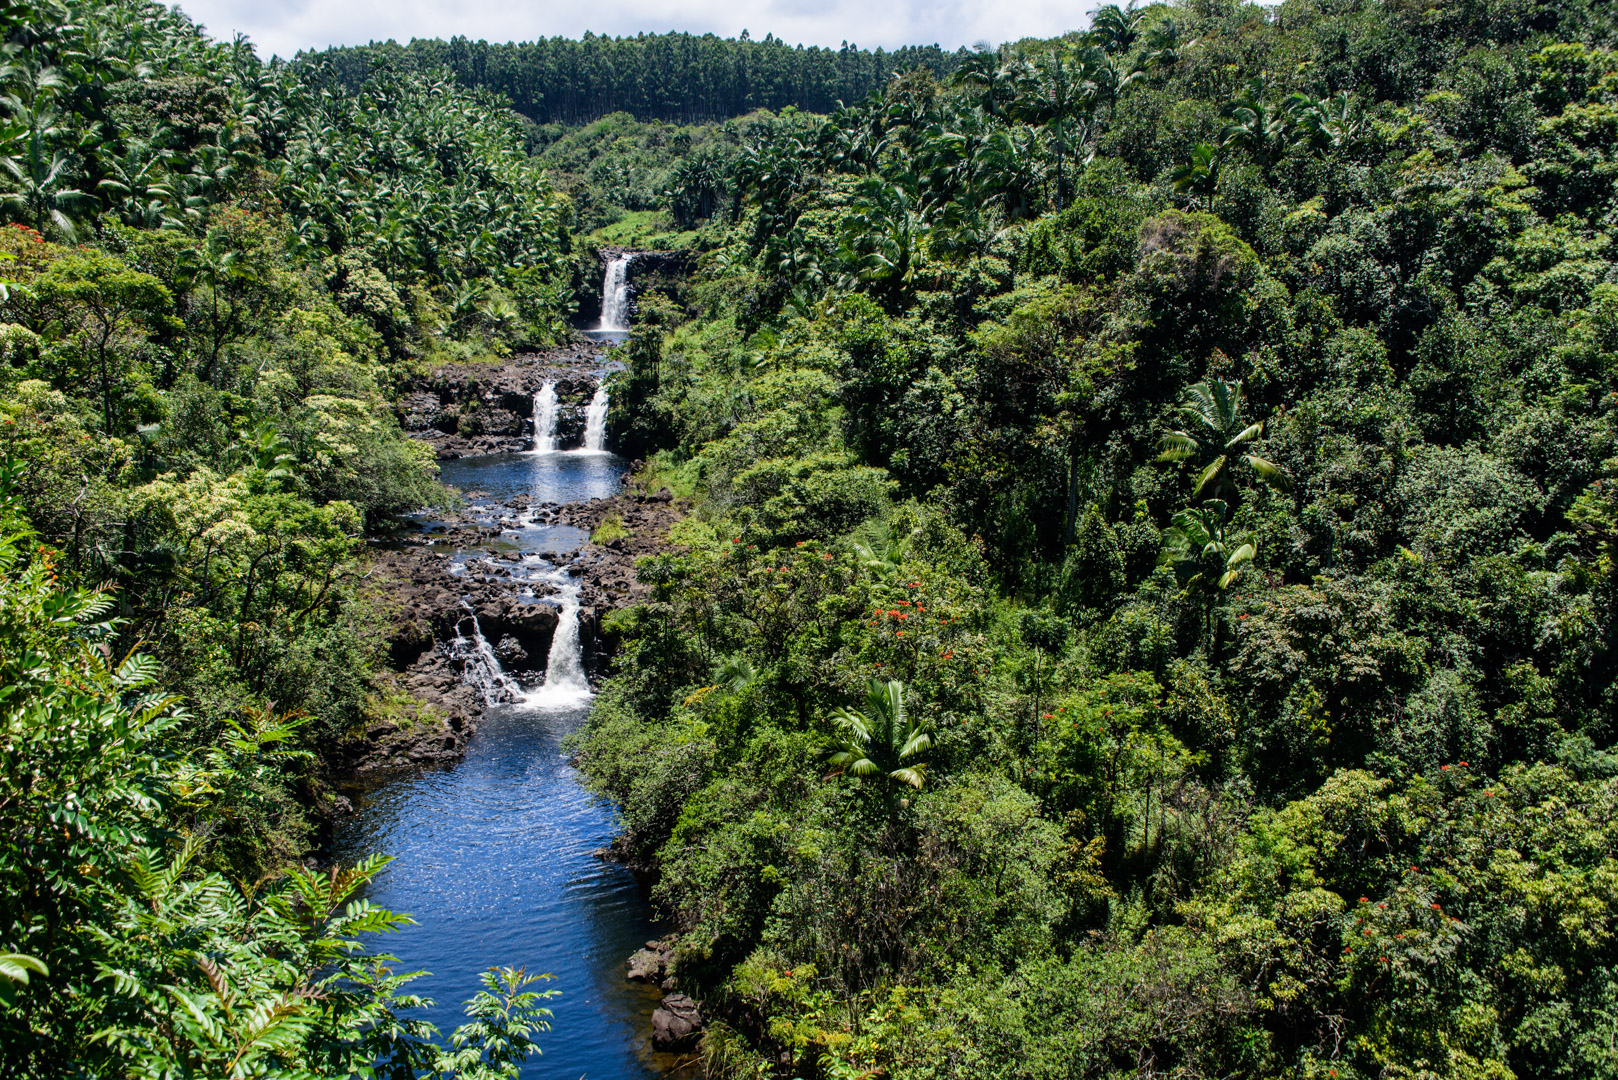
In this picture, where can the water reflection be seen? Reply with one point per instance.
(569, 476)
(495, 859)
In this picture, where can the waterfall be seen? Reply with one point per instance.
(545, 419)
(565, 682)
(595, 422)
(479, 666)
(615, 295)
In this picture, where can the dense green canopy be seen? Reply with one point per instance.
(1148, 602)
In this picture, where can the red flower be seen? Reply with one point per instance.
(1443, 768)
(1463, 764)
(1047, 716)
(1365, 900)
(1438, 907)
(901, 633)
(1488, 794)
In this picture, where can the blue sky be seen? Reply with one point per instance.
(285, 26)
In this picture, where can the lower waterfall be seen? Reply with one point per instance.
(565, 682)
(479, 666)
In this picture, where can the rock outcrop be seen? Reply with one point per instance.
(465, 410)
(676, 1024)
(653, 964)
(424, 711)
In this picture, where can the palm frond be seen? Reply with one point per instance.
(1209, 472)
(1267, 471)
(1177, 446)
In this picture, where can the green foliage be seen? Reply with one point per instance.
(952, 343)
(877, 741)
(938, 348)
(138, 961)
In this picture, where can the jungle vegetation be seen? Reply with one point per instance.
(1148, 609)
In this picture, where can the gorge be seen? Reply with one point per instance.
(498, 849)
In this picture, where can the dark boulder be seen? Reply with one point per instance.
(677, 1024)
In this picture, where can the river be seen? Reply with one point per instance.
(495, 856)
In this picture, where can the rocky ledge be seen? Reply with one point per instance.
(465, 410)
(676, 1024)
(423, 711)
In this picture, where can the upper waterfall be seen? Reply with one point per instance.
(615, 294)
(545, 419)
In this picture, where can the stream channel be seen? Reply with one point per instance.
(495, 855)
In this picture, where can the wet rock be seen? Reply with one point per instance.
(513, 657)
(677, 1023)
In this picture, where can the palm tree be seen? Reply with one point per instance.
(1336, 123)
(1200, 175)
(1104, 80)
(992, 71)
(735, 674)
(1264, 130)
(1056, 96)
(1115, 29)
(1200, 544)
(1166, 45)
(885, 553)
(881, 740)
(1211, 415)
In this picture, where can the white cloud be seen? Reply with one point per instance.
(285, 26)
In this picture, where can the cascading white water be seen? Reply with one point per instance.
(595, 422)
(615, 294)
(479, 666)
(545, 419)
(565, 681)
